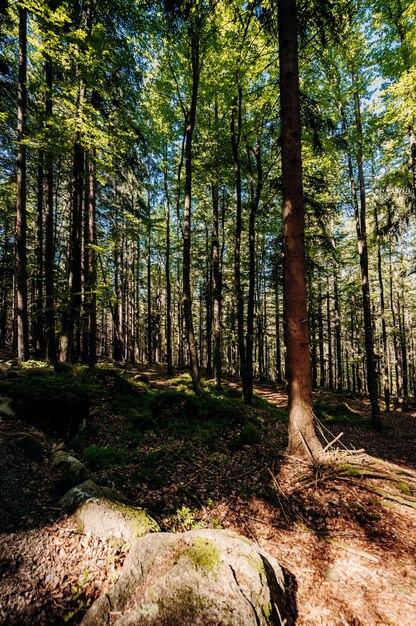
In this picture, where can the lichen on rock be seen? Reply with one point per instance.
(198, 577)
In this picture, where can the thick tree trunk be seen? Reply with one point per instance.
(21, 218)
(186, 270)
(303, 441)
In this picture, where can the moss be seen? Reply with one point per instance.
(351, 470)
(139, 521)
(202, 553)
(404, 488)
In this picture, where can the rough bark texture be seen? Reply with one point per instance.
(21, 218)
(199, 577)
(302, 436)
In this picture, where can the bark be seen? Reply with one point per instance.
(169, 365)
(256, 186)
(279, 376)
(49, 232)
(236, 123)
(329, 338)
(38, 326)
(338, 342)
(216, 288)
(21, 217)
(186, 270)
(386, 376)
(92, 264)
(70, 340)
(303, 440)
(361, 228)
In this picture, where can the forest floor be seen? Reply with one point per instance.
(346, 539)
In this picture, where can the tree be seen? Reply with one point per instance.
(303, 440)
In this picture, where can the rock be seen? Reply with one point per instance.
(72, 471)
(104, 512)
(200, 577)
(30, 445)
(5, 407)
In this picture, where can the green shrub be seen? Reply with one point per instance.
(103, 456)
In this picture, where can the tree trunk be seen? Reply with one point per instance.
(70, 341)
(186, 270)
(49, 231)
(303, 441)
(235, 143)
(216, 290)
(21, 217)
(92, 264)
(360, 215)
(169, 365)
(38, 326)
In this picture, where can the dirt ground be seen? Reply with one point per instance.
(348, 552)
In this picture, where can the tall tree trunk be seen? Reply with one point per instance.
(92, 263)
(321, 339)
(21, 217)
(49, 231)
(255, 194)
(360, 214)
(38, 326)
(70, 341)
(279, 376)
(386, 386)
(303, 440)
(169, 365)
(329, 338)
(216, 290)
(338, 342)
(236, 122)
(186, 270)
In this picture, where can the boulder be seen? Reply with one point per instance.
(5, 407)
(104, 513)
(201, 577)
(30, 445)
(72, 471)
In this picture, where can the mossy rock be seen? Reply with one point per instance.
(198, 577)
(105, 513)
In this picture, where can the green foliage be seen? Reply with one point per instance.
(336, 413)
(249, 435)
(104, 456)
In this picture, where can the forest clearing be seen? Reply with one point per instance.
(207, 312)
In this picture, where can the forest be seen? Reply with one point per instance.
(207, 220)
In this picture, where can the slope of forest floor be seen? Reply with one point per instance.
(346, 539)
